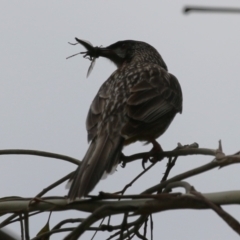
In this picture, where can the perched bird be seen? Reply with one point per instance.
(136, 103)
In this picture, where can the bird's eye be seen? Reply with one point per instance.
(124, 45)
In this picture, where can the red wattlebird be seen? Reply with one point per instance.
(136, 103)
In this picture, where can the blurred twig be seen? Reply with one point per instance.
(189, 9)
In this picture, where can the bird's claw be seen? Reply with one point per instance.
(144, 161)
(123, 163)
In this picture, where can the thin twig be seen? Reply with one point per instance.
(178, 184)
(39, 153)
(8, 220)
(221, 162)
(170, 165)
(95, 216)
(134, 180)
(114, 235)
(180, 177)
(187, 174)
(151, 226)
(145, 227)
(136, 226)
(129, 225)
(97, 230)
(21, 226)
(140, 236)
(48, 234)
(26, 226)
(70, 220)
(124, 224)
(53, 185)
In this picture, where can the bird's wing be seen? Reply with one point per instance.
(102, 155)
(156, 97)
(105, 148)
(95, 111)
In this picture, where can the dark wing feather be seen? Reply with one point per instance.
(94, 113)
(153, 103)
(104, 151)
(102, 155)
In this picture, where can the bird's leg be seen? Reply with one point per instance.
(156, 146)
(155, 150)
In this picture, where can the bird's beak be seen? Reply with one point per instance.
(111, 54)
(95, 51)
(107, 52)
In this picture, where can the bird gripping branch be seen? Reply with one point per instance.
(136, 103)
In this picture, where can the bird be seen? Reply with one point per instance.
(136, 103)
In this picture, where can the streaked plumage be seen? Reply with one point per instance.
(137, 102)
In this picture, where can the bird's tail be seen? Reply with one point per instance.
(102, 155)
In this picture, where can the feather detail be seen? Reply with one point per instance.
(103, 153)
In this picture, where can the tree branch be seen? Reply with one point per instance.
(173, 153)
(220, 162)
(39, 153)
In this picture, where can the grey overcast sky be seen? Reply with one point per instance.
(44, 98)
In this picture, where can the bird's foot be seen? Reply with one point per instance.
(123, 163)
(154, 152)
(144, 161)
(153, 155)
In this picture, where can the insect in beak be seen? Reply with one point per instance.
(92, 53)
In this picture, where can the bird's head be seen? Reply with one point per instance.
(129, 51)
(125, 51)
